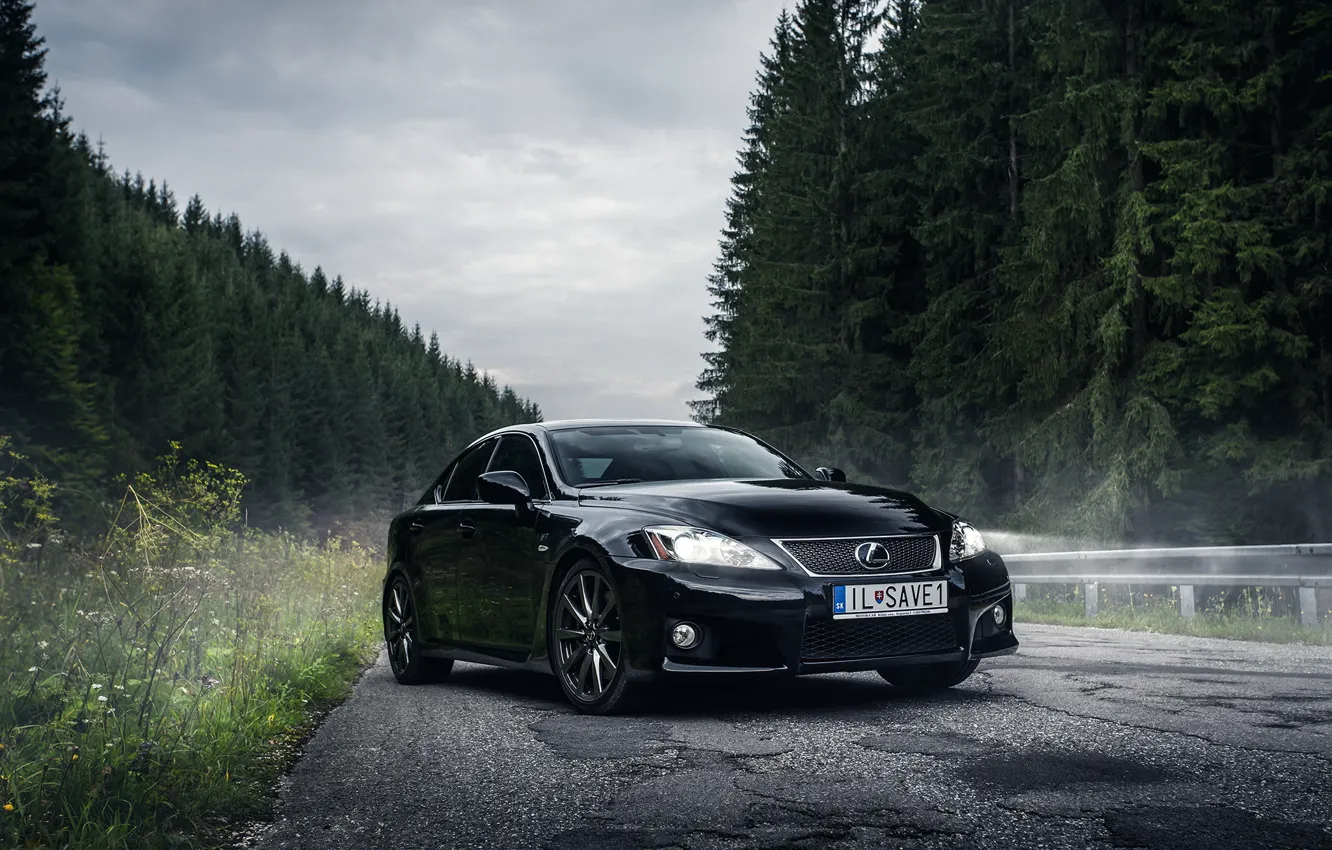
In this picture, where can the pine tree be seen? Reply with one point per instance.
(872, 414)
(42, 390)
(28, 153)
(725, 282)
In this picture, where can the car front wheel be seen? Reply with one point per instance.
(923, 678)
(586, 641)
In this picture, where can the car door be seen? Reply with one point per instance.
(432, 529)
(500, 582)
(444, 540)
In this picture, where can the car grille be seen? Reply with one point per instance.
(828, 640)
(838, 557)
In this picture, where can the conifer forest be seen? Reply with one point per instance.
(129, 322)
(1058, 265)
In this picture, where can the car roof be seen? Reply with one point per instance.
(568, 424)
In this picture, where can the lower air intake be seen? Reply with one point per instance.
(831, 640)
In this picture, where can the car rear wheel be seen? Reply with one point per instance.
(923, 678)
(586, 641)
(409, 666)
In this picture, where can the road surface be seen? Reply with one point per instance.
(1086, 738)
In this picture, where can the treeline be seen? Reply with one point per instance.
(1062, 265)
(128, 323)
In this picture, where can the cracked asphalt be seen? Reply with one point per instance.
(1086, 738)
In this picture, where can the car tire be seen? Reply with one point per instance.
(587, 594)
(924, 678)
(409, 666)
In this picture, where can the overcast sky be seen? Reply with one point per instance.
(542, 182)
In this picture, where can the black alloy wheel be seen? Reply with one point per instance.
(923, 678)
(586, 641)
(409, 666)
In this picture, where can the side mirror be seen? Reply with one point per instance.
(830, 473)
(503, 487)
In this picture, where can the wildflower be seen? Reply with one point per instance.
(9, 807)
(41, 644)
(96, 687)
(74, 757)
(32, 669)
(101, 698)
(119, 687)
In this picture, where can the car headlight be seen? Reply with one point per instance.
(700, 546)
(967, 542)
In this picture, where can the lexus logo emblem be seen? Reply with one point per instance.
(872, 556)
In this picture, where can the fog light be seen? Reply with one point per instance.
(999, 614)
(685, 635)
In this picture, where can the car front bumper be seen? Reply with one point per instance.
(780, 622)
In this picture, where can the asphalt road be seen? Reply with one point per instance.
(1086, 738)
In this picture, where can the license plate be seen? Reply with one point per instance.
(851, 601)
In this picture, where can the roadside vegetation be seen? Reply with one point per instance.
(154, 679)
(1248, 620)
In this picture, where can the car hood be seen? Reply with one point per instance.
(778, 508)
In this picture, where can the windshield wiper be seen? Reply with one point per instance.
(608, 483)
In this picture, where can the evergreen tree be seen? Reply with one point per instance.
(742, 207)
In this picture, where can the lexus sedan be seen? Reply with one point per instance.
(615, 553)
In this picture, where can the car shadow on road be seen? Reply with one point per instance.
(817, 694)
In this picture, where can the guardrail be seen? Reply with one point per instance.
(1304, 566)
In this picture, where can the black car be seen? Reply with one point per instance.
(609, 553)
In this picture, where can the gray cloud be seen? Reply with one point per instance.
(542, 183)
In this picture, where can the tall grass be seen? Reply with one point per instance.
(1161, 616)
(152, 681)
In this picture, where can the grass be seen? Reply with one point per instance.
(153, 682)
(1163, 618)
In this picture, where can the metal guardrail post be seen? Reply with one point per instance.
(1308, 606)
(1186, 601)
(1092, 598)
(1019, 593)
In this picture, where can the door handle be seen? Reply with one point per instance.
(416, 527)
(467, 528)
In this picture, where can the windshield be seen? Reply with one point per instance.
(663, 453)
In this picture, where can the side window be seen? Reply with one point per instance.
(517, 453)
(435, 494)
(462, 486)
